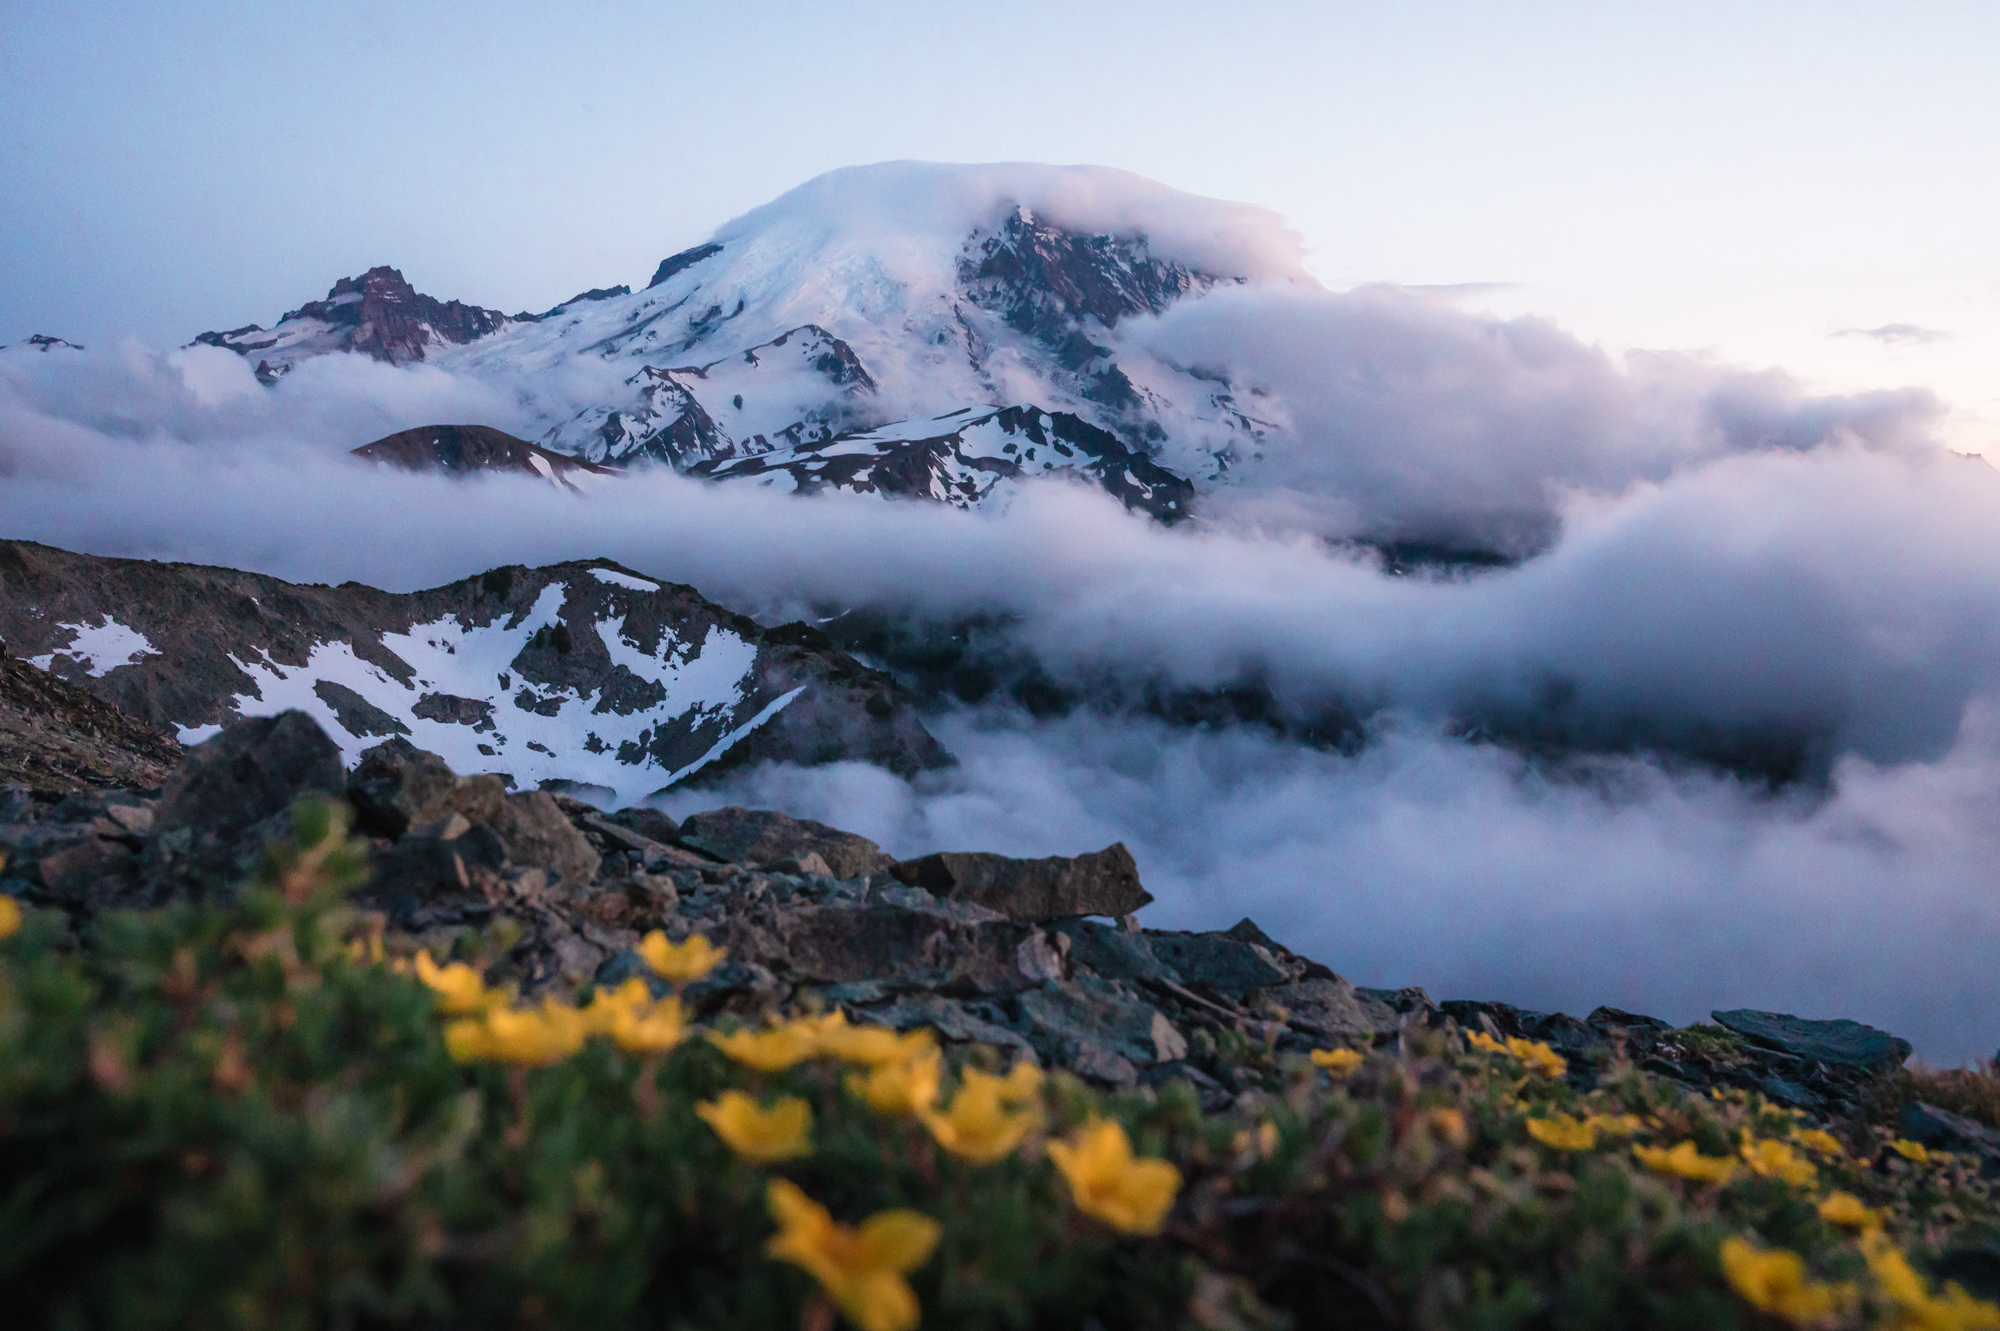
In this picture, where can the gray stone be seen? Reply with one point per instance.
(1114, 953)
(758, 836)
(952, 1020)
(812, 862)
(648, 823)
(1212, 1094)
(1942, 1130)
(435, 874)
(392, 782)
(536, 833)
(1088, 1022)
(1224, 964)
(1105, 882)
(1330, 1008)
(1839, 1043)
(252, 771)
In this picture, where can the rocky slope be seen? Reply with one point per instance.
(580, 673)
(461, 450)
(1045, 957)
(57, 737)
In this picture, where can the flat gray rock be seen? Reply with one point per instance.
(1105, 882)
(760, 836)
(1840, 1043)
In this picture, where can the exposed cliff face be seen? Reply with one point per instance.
(378, 314)
(583, 672)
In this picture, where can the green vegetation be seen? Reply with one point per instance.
(251, 1116)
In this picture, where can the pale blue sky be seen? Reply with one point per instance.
(1747, 178)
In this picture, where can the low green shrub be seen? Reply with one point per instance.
(251, 1116)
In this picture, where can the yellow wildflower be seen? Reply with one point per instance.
(534, 1037)
(1844, 1208)
(870, 1045)
(1775, 1282)
(1563, 1133)
(1338, 1062)
(1450, 1124)
(10, 915)
(1816, 1139)
(1022, 1083)
(781, 1132)
(1616, 1125)
(1910, 1150)
(460, 990)
(1131, 1195)
(683, 962)
(648, 1028)
(1536, 1055)
(1769, 1159)
(978, 1126)
(908, 1087)
(771, 1050)
(1684, 1161)
(1955, 1310)
(861, 1268)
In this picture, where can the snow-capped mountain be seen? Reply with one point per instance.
(582, 673)
(830, 332)
(463, 449)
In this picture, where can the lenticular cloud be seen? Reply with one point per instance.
(1552, 788)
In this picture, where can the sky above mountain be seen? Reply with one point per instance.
(1750, 182)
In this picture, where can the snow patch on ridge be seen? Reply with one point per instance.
(101, 648)
(466, 703)
(626, 580)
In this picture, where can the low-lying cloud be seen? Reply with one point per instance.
(1714, 554)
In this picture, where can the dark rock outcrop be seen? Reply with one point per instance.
(462, 450)
(55, 736)
(1103, 883)
(378, 314)
(1836, 1043)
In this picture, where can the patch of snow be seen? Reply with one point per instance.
(617, 579)
(190, 736)
(706, 687)
(102, 648)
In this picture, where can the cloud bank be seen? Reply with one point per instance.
(1714, 554)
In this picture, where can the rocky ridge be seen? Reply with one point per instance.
(460, 450)
(583, 672)
(1043, 957)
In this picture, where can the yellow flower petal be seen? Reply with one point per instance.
(533, 1037)
(10, 915)
(1817, 1140)
(1105, 1181)
(1769, 1159)
(1338, 1062)
(908, 1087)
(771, 1050)
(1775, 1282)
(683, 962)
(1563, 1133)
(1844, 1208)
(1910, 1150)
(862, 1269)
(871, 1045)
(783, 1131)
(1684, 1161)
(979, 1126)
(460, 990)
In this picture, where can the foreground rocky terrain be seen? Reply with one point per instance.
(1044, 957)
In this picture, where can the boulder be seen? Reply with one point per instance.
(536, 834)
(250, 772)
(1098, 1030)
(393, 783)
(1218, 962)
(1105, 882)
(1330, 1008)
(1837, 1043)
(1942, 1130)
(759, 836)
